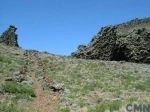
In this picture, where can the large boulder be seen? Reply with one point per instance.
(9, 37)
(128, 41)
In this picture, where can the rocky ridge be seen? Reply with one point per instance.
(9, 37)
(128, 41)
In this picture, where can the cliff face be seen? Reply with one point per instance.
(128, 41)
(9, 37)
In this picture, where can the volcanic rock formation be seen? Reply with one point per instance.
(128, 41)
(9, 37)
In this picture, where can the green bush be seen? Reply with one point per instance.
(21, 90)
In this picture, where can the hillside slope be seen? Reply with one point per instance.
(89, 85)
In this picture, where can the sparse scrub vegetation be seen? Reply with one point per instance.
(81, 103)
(9, 63)
(99, 108)
(96, 85)
(99, 100)
(84, 77)
(111, 106)
(144, 86)
(115, 105)
(66, 109)
(10, 107)
(133, 99)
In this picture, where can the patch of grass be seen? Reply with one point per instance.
(21, 90)
(45, 60)
(85, 77)
(9, 63)
(66, 109)
(112, 106)
(19, 61)
(98, 84)
(98, 108)
(81, 103)
(98, 100)
(1, 89)
(9, 107)
(117, 93)
(5, 59)
(143, 85)
(132, 99)
(129, 79)
(91, 86)
(115, 105)
(71, 96)
(38, 73)
(5, 72)
(50, 58)
(85, 90)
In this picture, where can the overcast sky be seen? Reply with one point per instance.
(59, 26)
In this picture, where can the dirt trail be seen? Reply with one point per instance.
(43, 102)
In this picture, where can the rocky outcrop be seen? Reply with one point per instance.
(9, 37)
(128, 41)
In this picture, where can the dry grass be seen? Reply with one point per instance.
(89, 84)
(86, 81)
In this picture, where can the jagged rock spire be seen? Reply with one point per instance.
(9, 37)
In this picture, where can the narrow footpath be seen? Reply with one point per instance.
(43, 102)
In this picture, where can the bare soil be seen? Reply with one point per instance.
(43, 102)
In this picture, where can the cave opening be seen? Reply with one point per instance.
(119, 54)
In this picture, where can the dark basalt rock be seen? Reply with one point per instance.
(128, 41)
(9, 37)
